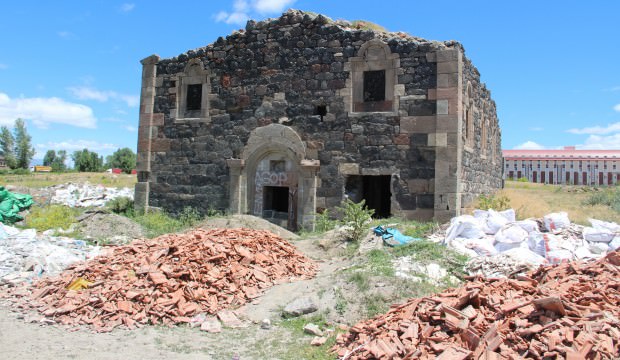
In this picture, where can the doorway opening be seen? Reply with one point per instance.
(375, 190)
(275, 202)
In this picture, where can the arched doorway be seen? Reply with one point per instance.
(273, 179)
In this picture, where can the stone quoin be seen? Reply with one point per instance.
(292, 115)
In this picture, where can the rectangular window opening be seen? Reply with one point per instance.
(275, 201)
(375, 190)
(374, 85)
(194, 97)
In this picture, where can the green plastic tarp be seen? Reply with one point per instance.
(11, 204)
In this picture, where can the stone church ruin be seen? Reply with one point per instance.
(292, 115)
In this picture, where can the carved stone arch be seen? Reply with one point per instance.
(374, 49)
(273, 160)
(373, 70)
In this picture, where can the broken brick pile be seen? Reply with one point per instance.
(169, 279)
(568, 311)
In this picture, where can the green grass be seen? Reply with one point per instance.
(607, 197)
(39, 180)
(305, 350)
(425, 251)
(51, 217)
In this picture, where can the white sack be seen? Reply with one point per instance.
(528, 225)
(559, 256)
(555, 222)
(602, 235)
(541, 243)
(526, 255)
(491, 221)
(464, 226)
(511, 234)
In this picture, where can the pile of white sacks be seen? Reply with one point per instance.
(498, 234)
(26, 255)
(87, 195)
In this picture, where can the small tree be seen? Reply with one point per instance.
(23, 145)
(49, 157)
(87, 161)
(124, 159)
(355, 215)
(7, 145)
(56, 161)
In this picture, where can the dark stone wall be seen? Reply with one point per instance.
(304, 57)
(482, 166)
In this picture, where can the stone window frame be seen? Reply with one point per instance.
(193, 74)
(374, 55)
(483, 131)
(468, 117)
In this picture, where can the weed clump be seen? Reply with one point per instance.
(51, 217)
(495, 202)
(608, 197)
(356, 216)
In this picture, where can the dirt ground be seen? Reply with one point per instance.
(23, 336)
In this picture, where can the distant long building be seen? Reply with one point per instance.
(567, 166)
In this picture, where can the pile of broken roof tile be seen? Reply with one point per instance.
(171, 278)
(568, 311)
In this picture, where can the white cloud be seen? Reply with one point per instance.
(127, 7)
(242, 9)
(596, 130)
(65, 34)
(617, 108)
(3, 66)
(597, 142)
(89, 93)
(271, 6)
(45, 111)
(73, 145)
(529, 145)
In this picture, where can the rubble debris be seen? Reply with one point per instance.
(299, 306)
(570, 310)
(26, 255)
(407, 268)
(111, 229)
(170, 279)
(509, 244)
(313, 329)
(87, 195)
(211, 324)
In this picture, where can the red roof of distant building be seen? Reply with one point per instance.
(569, 152)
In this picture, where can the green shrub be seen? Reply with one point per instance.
(608, 197)
(51, 217)
(522, 179)
(121, 205)
(324, 222)
(157, 223)
(495, 202)
(189, 216)
(355, 215)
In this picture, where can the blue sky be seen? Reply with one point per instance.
(71, 67)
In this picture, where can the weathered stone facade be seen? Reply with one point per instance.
(295, 113)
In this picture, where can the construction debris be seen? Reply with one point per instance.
(26, 255)
(508, 245)
(169, 279)
(87, 195)
(567, 311)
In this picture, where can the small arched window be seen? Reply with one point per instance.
(192, 102)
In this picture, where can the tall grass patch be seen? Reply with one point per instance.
(51, 217)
